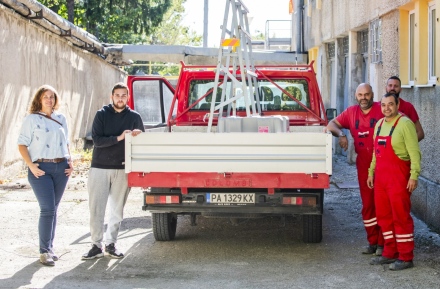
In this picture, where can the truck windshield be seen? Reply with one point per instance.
(272, 98)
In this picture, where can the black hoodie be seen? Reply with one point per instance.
(108, 124)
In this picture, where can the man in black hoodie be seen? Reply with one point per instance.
(107, 181)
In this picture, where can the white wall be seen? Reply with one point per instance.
(31, 56)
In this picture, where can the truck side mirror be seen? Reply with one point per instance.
(331, 113)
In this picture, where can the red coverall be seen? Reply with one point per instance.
(362, 130)
(392, 198)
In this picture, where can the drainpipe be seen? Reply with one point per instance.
(205, 24)
(299, 26)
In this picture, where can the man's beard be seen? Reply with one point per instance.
(122, 106)
(393, 91)
(367, 106)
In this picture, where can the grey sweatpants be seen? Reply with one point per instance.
(106, 186)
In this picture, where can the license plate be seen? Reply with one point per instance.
(230, 198)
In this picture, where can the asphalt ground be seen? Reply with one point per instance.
(217, 253)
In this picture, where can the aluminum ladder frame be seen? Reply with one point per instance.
(239, 48)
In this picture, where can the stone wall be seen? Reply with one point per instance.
(31, 56)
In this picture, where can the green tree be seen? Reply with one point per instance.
(169, 32)
(114, 21)
(155, 22)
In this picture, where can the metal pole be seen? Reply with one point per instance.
(205, 25)
(299, 22)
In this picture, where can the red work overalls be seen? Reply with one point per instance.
(392, 198)
(363, 141)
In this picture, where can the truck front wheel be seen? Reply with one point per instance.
(164, 226)
(312, 228)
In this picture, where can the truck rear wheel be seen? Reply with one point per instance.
(312, 228)
(164, 226)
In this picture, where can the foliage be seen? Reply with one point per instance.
(115, 21)
(155, 22)
(169, 32)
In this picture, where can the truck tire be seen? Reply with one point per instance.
(312, 228)
(164, 226)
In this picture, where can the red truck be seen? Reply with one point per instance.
(276, 163)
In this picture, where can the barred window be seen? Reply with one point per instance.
(375, 40)
(331, 50)
(363, 41)
(345, 45)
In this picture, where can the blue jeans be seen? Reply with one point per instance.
(48, 189)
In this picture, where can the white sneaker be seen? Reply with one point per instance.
(46, 259)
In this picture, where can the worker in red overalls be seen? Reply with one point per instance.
(394, 172)
(360, 119)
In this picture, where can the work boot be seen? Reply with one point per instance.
(382, 260)
(370, 249)
(400, 265)
(379, 251)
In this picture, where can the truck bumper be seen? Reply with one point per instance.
(199, 201)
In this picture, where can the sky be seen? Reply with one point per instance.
(259, 12)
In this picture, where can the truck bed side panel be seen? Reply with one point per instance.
(302, 152)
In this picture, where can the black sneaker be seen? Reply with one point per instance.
(113, 252)
(95, 252)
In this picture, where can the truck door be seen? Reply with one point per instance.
(151, 97)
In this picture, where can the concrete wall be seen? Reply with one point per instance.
(31, 56)
(341, 18)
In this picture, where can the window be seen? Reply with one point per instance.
(363, 41)
(417, 37)
(376, 46)
(432, 39)
(147, 96)
(331, 50)
(345, 45)
(363, 49)
(271, 97)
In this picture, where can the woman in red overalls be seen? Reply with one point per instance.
(395, 166)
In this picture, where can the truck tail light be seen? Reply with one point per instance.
(150, 199)
(299, 201)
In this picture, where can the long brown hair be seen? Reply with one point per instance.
(36, 101)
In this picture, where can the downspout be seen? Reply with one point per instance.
(299, 26)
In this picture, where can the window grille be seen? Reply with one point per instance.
(331, 50)
(363, 41)
(345, 45)
(375, 40)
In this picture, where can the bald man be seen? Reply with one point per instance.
(360, 119)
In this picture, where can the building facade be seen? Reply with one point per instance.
(368, 41)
